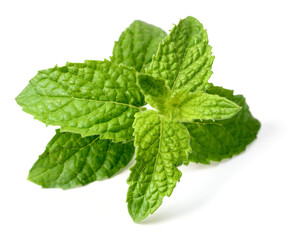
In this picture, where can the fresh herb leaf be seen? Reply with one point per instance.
(91, 99)
(70, 160)
(162, 145)
(137, 44)
(204, 106)
(184, 57)
(222, 139)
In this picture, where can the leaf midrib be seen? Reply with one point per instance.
(183, 55)
(86, 99)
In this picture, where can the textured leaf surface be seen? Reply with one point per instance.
(200, 105)
(91, 98)
(225, 138)
(162, 145)
(137, 44)
(184, 57)
(155, 91)
(70, 160)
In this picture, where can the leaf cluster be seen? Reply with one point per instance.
(100, 109)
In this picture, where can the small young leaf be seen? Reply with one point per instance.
(137, 44)
(222, 139)
(196, 105)
(184, 57)
(203, 106)
(70, 160)
(162, 145)
(155, 91)
(92, 98)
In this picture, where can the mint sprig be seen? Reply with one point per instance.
(99, 106)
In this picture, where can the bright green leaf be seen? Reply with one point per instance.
(137, 44)
(162, 145)
(204, 106)
(70, 160)
(91, 98)
(222, 139)
(184, 57)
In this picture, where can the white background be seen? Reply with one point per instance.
(247, 197)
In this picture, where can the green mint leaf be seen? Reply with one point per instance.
(162, 145)
(92, 98)
(196, 105)
(137, 44)
(155, 91)
(184, 57)
(70, 160)
(222, 139)
(204, 106)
